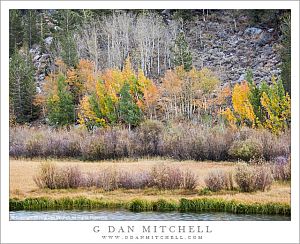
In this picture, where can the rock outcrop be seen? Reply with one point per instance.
(226, 44)
(229, 48)
(43, 61)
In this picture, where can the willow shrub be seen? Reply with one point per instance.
(250, 178)
(176, 141)
(219, 180)
(161, 177)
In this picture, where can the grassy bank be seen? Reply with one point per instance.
(137, 205)
(22, 185)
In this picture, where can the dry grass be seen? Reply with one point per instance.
(23, 186)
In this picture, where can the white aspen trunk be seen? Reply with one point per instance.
(113, 50)
(155, 115)
(127, 43)
(142, 59)
(158, 67)
(95, 49)
(108, 51)
(165, 56)
(152, 53)
(175, 99)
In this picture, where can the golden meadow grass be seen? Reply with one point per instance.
(22, 185)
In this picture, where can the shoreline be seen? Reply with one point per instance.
(196, 205)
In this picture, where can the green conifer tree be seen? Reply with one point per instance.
(68, 21)
(254, 97)
(129, 112)
(31, 32)
(60, 104)
(22, 86)
(16, 30)
(69, 52)
(181, 52)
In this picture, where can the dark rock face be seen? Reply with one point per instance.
(230, 50)
(43, 62)
(227, 45)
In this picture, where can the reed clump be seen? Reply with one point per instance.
(159, 176)
(161, 205)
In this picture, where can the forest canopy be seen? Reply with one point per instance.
(102, 68)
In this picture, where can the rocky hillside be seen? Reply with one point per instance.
(230, 47)
(227, 44)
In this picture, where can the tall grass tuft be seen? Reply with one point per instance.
(165, 177)
(46, 178)
(264, 178)
(52, 177)
(219, 180)
(251, 179)
(190, 180)
(160, 176)
(281, 168)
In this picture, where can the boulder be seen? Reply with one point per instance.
(241, 78)
(48, 40)
(253, 31)
(36, 58)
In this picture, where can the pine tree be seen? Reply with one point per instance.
(129, 112)
(22, 87)
(16, 30)
(255, 96)
(60, 105)
(69, 52)
(31, 32)
(67, 20)
(181, 52)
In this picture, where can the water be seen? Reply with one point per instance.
(127, 215)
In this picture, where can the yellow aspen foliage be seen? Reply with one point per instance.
(223, 95)
(188, 93)
(50, 87)
(171, 83)
(241, 103)
(181, 72)
(87, 116)
(208, 81)
(101, 98)
(105, 93)
(113, 82)
(127, 71)
(278, 110)
(86, 74)
(231, 119)
(151, 94)
(61, 66)
(142, 89)
(151, 97)
(273, 105)
(72, 76)
(143, 82)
